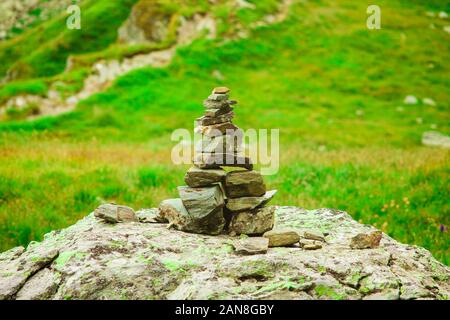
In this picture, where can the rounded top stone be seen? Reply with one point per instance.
(221, 90)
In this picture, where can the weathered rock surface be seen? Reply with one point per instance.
(217, 112)
(254, 245)
(96, 260)
(114, 213)
(282, 237)
(366, 240)
(215, 104)
(244, 184)
(196, 177)
(313, 235)
(220, 144)
(179, 218)
(308, 244)
(200, 202)
(150, 216)
(207, 121)
(217, 160)
(254, 222)
(146, 23)
(249, 203)
(217, 130)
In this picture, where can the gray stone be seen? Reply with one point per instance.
(217, 160)
(366, 240)
(196, 177)
(220, 144)
(113, 213)
(149, 216)
(217, 112)
(254, 222)
(12, 254)
(207, 121)
(42, 286)
(176, 214)
(15, 272)
(218, 96)
(252, 245)
(244, 184)
(282, 237)
(249, 203)
(308, 244)
(141, 261)
(313, 235)
(179, 218)
(436, 139)
(216, 130)
(221, 90)
(215, 104)
(200, 202)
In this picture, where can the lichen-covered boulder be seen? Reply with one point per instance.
(96, 260)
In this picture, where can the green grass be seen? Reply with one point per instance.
(331, 86)
(43, 50)
(35, 87)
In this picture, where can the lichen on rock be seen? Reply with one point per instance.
(96, 260)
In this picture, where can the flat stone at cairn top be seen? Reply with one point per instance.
(221, 90)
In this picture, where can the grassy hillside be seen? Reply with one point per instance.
(333, 88)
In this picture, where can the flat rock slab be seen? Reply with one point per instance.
(308, 244)
(179, 218)
(200, 202)
(244, 184)
(95, 260)
(113, 213)
(249, 203)
(220, 144)
(216, 130)
(221, 90)
(207, 121)
(254, 222)
(218, 96)
(282, 237)
(196, 177)
(252, 245)
(215, 104)
(313, 235)
(218, 111)
(218, 160)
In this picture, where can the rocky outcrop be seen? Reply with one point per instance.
(436, 139)
(18, 15)
(135, 260)
(146, 23)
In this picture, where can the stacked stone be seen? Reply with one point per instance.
(215, 200)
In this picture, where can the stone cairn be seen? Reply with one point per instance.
(214, 200)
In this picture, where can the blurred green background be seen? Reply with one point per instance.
(335, 89)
